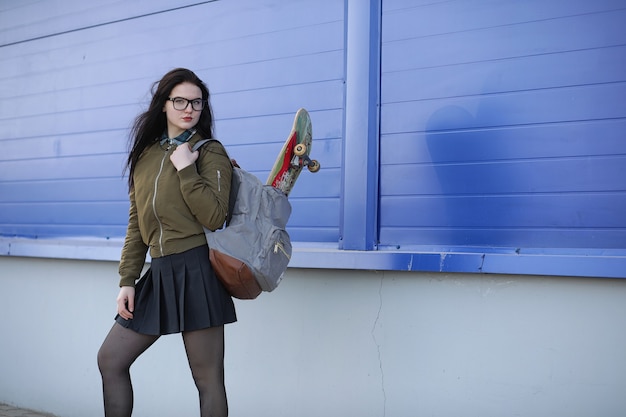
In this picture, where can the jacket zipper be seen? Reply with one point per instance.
(156, 181)
(219, 177)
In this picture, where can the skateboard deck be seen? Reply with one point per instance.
(294, 155)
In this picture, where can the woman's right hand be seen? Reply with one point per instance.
(126, 302)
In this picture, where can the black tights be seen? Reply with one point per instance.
(205, 353)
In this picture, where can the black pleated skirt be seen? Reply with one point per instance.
(180, 292)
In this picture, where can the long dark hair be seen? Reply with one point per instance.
(150, 125)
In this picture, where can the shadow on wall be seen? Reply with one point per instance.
(467, 159)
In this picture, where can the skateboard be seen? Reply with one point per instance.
(294, 155)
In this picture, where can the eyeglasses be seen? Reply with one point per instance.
(181, 103)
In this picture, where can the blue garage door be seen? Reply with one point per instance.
(503, 124)
(74, 74)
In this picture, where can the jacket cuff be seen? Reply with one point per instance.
(188, 172)
(127, 282)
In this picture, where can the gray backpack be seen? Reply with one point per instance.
(251, 253)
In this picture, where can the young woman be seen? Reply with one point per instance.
(173, 193)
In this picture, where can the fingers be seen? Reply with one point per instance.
(123, 311)
(130, 305)
(126, 302)
(182, 157)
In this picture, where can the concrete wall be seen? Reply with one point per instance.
(334, 343)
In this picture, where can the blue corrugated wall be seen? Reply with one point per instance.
(74, 75)
(502, 123)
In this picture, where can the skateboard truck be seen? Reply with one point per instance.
(300, 151)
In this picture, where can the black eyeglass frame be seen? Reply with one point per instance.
(194, 102)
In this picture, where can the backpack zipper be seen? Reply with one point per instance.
(279, 246)
(219, 177)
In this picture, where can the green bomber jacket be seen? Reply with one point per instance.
(168, 208)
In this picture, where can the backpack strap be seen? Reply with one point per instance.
(199, 144)
(234, 184)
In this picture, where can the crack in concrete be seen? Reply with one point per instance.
(380, 358)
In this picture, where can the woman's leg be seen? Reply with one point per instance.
(205, 352)
(117, 353)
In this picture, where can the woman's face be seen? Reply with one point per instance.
(180, 120)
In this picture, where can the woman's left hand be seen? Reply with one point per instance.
(182, 156)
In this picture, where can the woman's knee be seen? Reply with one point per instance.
(107, 360)
(117, 351)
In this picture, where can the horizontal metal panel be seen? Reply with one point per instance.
(28, 20)
(68, 190)
(283, 99)
(581, 210)
(64, 145)
(434, 44)
(546, 175)
(79, 167)
(431, 18)
(38, 232)
(256, 140)
(580, 103)
(470, 240)
(565, 69)
(66, 213)
(514, 143)
(314, 220)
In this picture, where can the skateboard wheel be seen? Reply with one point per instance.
(299, 149)
(314, 166)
